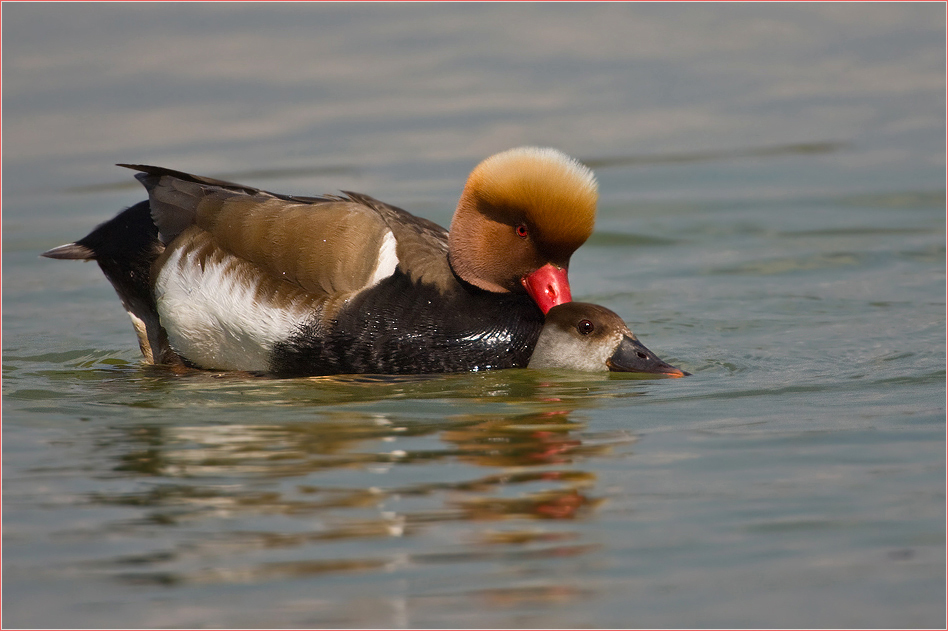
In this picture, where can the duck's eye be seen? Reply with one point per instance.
(522, 231)
(585, 327)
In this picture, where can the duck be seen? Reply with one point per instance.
(222, 276)
(587, 337)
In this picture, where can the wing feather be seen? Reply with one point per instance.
(324, 245)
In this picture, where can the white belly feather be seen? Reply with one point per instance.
(216, 317)
(213, 318)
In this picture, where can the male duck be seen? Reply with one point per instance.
(219, 275)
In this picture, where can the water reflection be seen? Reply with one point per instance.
(240, 496)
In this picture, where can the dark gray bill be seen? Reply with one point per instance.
(632, 356)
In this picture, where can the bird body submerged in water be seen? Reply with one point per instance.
(218, 275)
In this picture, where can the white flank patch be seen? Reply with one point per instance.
(213, 318)
(388, 260)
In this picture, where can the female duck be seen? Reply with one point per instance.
(583, 336)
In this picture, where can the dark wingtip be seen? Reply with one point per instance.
(150, 176)
(147, 169)
(70, 251)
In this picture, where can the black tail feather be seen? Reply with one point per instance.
(125, 248)
(70, 251)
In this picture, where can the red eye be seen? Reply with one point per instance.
(522, 231)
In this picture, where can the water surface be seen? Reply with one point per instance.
(772, 219)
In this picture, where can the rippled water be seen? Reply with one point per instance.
(772, 220)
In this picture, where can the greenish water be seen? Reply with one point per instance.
(772, 220)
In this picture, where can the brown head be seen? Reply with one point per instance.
(521, 216)
(588, 337)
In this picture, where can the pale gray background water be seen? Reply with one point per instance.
(772, 219)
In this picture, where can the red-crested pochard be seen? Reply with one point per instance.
(219, 275)
(588, 337)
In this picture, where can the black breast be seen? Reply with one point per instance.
(401, 327)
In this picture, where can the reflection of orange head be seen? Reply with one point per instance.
(568, 503)
(563, 506)
(528, 440)
(543, 595)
